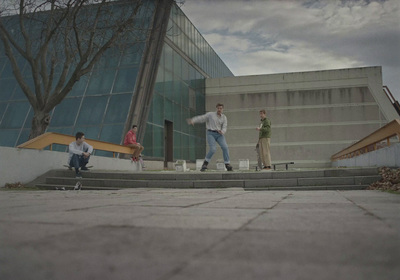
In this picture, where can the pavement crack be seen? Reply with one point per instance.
(366, 211)
(206, 250)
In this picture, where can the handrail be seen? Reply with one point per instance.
(389, 94)
(384, 133)
(50, 138)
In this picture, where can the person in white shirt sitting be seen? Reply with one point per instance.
(79, 154)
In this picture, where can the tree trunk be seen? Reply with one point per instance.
(40, 122)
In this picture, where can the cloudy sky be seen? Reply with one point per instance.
(270, 36)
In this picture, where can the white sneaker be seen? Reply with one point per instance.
(78, 186)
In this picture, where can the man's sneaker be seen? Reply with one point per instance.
(84, 168)
(78, 175)
(228, 167)
(203, 168)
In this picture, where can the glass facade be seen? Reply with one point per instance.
(187, 60)
(99, 103)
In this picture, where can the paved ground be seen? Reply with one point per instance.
(171, 234)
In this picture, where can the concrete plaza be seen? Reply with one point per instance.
(172, 234)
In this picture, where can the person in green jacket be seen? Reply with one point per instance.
(264, 140)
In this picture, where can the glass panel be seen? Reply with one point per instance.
(185, 71)
(65, 113)
(126, 79)
(177, 65)
(79, 87)
(3, 60)
(168, 85)
(168, 110)
(150, 116)
(112, 133)
(7, 88)
(185, 146)
(92, 110)
(159, 85)
(62, 130)
(118, 107)
(8, 137)
(7, 70)
(133, 54)
(101, 82)
(28, 122)
(148, 140)
(158, 109)
(192, 148)
(15, 115)
(177, 146)
(23, 136)
(158, 141)
(177, 117)
(168, 57)
(19, 94)
(2, 109)
(91, 132)
(185, 116)
(177, 90)
(184, 92)
(110, 58)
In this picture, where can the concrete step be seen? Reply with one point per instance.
(69, 187)
(294, 180)
(215, 175)
(311, 188)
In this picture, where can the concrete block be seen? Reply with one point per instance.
(199, 163)
(249, 176)
(244, 164)
(297, 174)
(325, 181)
(219, 184)
(180, 166)
(221, 165)
(170, 184)
(270, 183)
(366, 180)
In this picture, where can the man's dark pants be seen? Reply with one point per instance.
(78, 161)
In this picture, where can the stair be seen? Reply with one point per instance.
(323, 179)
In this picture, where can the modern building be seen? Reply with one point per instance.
(175, 74)
(314, 114)
(108, 101)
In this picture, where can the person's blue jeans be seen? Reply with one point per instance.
(213, 137)
(78, 161)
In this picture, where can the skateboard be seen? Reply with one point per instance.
(70, 168)
(259, 163)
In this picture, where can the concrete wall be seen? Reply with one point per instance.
(25, 165)
(313, 114)
(388, 156)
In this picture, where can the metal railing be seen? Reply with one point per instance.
(393, 100)
(371, 142)
(50, 138)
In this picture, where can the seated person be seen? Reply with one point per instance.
(79, 153)
(130, 141)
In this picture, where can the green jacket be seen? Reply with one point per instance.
(265, 131)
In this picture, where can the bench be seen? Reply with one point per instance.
(282, 163)
(50, 138)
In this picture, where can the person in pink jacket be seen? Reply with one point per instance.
(130, 141)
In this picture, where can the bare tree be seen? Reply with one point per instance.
(61, 41)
